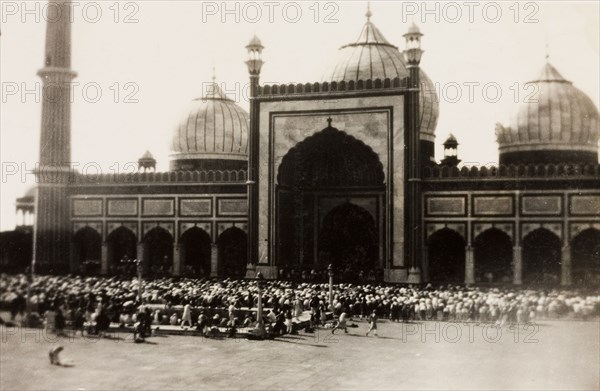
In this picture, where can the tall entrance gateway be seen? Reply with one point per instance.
(330, 203)
(334, 167)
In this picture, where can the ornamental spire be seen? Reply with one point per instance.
(369, 13)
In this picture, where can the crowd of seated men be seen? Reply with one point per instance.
(116, 298)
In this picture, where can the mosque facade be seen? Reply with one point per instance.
(338, 172)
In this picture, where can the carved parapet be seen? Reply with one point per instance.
(514, 171)
(331, 87)
(208, 176)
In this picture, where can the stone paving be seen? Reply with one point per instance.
(428, 355)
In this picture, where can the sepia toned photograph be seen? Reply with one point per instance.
(299, 195)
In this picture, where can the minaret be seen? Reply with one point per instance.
(412, 56)
(51, 231)
(254, 64)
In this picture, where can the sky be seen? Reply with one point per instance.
(140, 63)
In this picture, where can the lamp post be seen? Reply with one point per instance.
(330, 272)
(260, 325)
(30, 276)
(138, 264)
(250, 265)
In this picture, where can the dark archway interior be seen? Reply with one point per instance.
(585, 258)
(348, 239)
(121, 244)
(446, 252)
(232, 252)
(493, 257)
(541, 257)
(158, 251)
(16, 251)
(195, 252)
(331, 158)
(88, 250)
(329, 163)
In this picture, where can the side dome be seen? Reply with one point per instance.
(212, 135)
(372, 57)
(559, 125)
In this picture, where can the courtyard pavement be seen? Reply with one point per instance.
(557, 355)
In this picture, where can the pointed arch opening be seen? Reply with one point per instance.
(158, 252)
(585, 258)
(348, 240)
(327, 170)
(446, 257)
(541, 257)
(232, 252)
(121, 245)
(195, 252)
(493, 254)
(87, 251)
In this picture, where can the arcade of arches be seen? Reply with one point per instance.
(330, 205)
(193, 255)
(493, 258)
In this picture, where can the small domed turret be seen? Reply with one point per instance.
(147, 163)
(450, 152)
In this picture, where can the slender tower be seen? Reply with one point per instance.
(413, 55)
(254, 64)
(51, 238)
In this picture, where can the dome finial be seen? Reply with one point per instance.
(547, 51)
(214, 73)
(369, 13)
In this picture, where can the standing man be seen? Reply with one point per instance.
(373, 323)
(187, 315)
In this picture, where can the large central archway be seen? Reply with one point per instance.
(330, 190)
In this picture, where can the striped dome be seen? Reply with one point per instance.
(559, 118)
(373, 57)
(213, 128)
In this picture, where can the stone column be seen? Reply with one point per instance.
(73, 261)
(414, 275)
(517, 265)
(177, 259)
(425, 262)
(566, 265)
(104, 259)
(214, 260)
(469, 265)
(140, 255)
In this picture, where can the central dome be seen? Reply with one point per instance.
(372, 57)
(212, 135)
